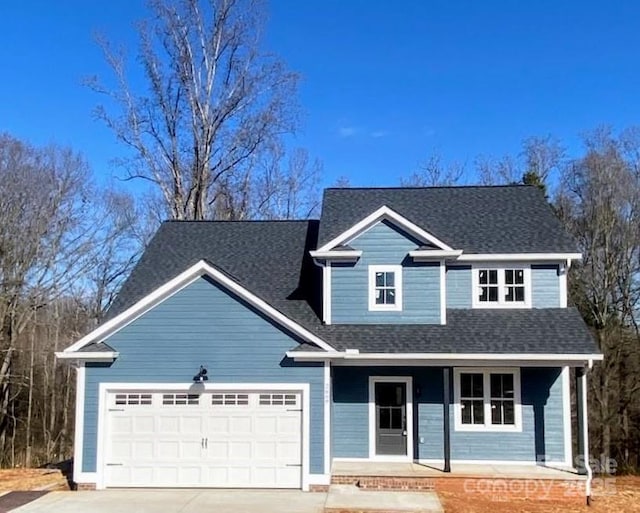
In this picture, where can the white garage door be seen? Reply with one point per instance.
(234, 439)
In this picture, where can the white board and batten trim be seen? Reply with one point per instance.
(103, 405)
(408, 381)
(383, 213)
(178, 283)
(340, 255)
(566, 416)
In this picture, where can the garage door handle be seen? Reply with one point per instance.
(115, 464)
(293, 465)
(296, 410)
(206, 443)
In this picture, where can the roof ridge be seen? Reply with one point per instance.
(238, 221)
(396, 188)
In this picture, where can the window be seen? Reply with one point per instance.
(385, 287)
(180, 399)
(487, 400)
(133, 400)
(502, 287)
(229, 399)
(278, 399)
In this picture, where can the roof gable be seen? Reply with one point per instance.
(382, 214)
(178, 283)
(485, 220)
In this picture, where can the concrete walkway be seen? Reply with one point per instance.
(178, 501)
(351, 498)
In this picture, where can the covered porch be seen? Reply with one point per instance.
(506, 482)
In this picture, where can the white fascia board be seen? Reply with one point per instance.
(336, 255)
(88, 356)
(443, 357)
(434, 254)
(179, 282)
(511, 257)
(384, 212)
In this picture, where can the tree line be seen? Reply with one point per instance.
(206, 136)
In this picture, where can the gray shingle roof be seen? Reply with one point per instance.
(505, 219)
(537, 331)
(271, 259)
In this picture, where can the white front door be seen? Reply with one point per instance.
(235, 439)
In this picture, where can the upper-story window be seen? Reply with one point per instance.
(502, 287)
(385, 287)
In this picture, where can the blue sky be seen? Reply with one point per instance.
(384, 83)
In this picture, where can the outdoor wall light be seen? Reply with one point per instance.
(201, 376)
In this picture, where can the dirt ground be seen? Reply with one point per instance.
(614, 495)
(32, 479)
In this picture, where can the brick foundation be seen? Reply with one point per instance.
(318, 488)
(85, 486)
(497, 489)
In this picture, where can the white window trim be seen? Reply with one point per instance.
(373, 269)
(501, 303)
(408, 381)
(487, 426)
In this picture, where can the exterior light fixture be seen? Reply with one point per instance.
(201, 375)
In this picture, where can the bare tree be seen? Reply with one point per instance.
(433, 172)
(289, 188)
(599, 200)
(213, 103)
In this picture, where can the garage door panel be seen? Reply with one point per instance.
(228, 439)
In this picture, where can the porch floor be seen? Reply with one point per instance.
(420, 470)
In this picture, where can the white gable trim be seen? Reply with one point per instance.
(184, 279)
(382, 213)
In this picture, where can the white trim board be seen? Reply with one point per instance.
(352, 357)
(566, 416)
(327, 394)
(384, 213)
(78, 437)
(514, 257)
(103, 404)
(178, 283)
(408, 381)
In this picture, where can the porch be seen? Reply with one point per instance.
(502, 481)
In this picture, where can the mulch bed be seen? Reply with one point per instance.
(13, 500)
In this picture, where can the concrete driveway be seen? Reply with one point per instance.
(178, 501)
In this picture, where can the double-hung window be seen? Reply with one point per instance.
(502, 287)
(487, 400)
(385, 287)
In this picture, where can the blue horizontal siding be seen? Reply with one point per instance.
(384, 244)
(459, 286)
(542, 435)
(545, 286)
(203, 324)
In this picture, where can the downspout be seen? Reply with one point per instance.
(585, 433)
